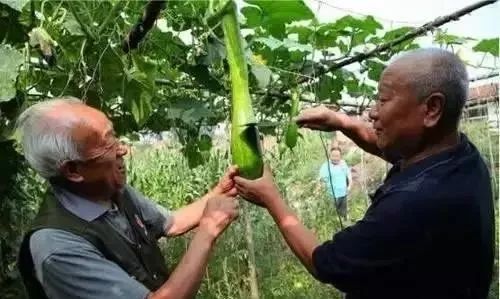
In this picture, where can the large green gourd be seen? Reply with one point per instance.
(245, 141)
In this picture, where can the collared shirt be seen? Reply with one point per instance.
(429, 233)
(68, 266)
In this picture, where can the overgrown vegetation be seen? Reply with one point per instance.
(178, 79)
(162, 173)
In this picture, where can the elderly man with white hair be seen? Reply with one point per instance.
(94, 235)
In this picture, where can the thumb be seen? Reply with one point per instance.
(240, 181)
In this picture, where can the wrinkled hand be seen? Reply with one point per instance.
(226, 184)
(320, 118)
(261, 191)
(219, 212)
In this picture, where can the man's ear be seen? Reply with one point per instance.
(434, 108)
(70, 171)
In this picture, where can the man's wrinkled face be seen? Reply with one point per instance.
(335, 156)
(398, 114)
(102, 166)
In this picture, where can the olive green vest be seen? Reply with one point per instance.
(142, 260)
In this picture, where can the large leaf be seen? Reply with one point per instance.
(375, 68)
(203, 76)
(442, 37)
(303, 33)
(72, 26)
(141, 108)
(188, 110)
(271, 42)
(330, 87)
(15, 4)
(488, 46)
(393, 34)
(273, 15)
(138, 101)
(357, 28)
(10, 60)
(262, 73)
(216, 52)
(140, 89)
(289, 44)
(12, 30)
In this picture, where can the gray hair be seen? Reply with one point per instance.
(438, 70)
(47, 141)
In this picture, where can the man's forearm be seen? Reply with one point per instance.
(185, 281)
(301, 240)
(361, 134)
(188, 217)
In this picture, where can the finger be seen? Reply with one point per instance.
(240, 181)
(301, 120)
(232, 171)
(232, 192)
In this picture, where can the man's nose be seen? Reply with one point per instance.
(373, 114)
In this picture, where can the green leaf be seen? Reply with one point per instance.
(271, 42)
(138, 101)
(216, 52)
(15, 4)
(488, 46)
(72, 26)
(375, 68)
(303, 33)
(393, 34)
(442, 37)
(188, 110)
(192, 152)
(205, 143)
(273, 15)
(141, 108)
(202, 75)
(262, 73)
(293, 45)
(329, 87)
(13, 30)
(10, 60)
(352, 86)
(289, 44)
(253, 16)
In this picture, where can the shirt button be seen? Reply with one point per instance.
(139, 246)
(154, 276)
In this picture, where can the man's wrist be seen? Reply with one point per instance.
(206, 235)
(345, 122)
(277, 208)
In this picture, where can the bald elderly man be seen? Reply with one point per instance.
(429, 232)
(94, 235)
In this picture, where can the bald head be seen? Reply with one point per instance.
(434, 70)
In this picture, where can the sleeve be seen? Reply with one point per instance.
(68, 266)
(157, 218)
(372, 252)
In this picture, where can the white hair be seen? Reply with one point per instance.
(47, 140)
